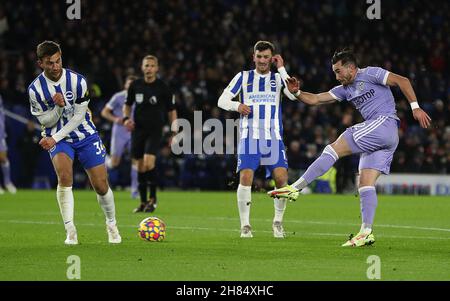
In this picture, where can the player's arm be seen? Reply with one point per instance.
(292, 90)
(405, 86)
(80, 108)
(50, 117)
(126, 109)
(306, 97)
(107, 113)
(226, 98)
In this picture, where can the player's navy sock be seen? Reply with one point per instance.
(142, 186)
(319, 167)
(369, 202)
(152, 182)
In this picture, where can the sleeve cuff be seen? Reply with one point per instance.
(334, 96)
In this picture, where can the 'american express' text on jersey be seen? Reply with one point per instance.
(262, 93)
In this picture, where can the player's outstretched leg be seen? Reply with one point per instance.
(244, 202)
(106, 202)
(64, 195)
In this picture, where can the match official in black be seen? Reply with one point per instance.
(153, 99)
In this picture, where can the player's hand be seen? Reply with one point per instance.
(129, 125)
(293, 85)
(278, 61)
(47, 143)
(58, 99)
(422, 117)
(244, 109)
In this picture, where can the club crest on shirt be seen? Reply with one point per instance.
(361, 86)
(139, 97)
(153, 100)
(273, 83)
(68, 95)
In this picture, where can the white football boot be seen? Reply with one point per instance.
(278, 231)
(72, 238)
(246, 232)
(113, 234)
(11, 188)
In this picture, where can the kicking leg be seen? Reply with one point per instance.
(321, 165)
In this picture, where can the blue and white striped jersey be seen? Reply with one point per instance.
(73, 86)
(262, 93)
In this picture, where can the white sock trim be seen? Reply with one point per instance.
(365, 188)
(330, 151)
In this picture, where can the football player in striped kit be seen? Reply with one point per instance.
(375, 139)
(59, 99)
(260, 129)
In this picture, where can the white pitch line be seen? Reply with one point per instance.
(341, 224)
(287, 221)
(229, 230)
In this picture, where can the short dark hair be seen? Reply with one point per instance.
(345, 56)
(263, 45)
(47, 48)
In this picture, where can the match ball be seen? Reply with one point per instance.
(152, 229)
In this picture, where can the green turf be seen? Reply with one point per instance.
(202, 243)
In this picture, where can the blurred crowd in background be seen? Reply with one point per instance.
(202, 44)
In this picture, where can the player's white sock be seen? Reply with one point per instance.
(107, 203)
(64, 195)
(366, 228)
(300, 184)
(244, 197)
(280, 207)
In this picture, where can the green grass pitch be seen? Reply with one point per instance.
(202, 243)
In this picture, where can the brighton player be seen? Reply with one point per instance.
(375, 139)
(4, 162)
(120, 136)
(260, 130)
(59, 100)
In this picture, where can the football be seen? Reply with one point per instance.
(152, 229)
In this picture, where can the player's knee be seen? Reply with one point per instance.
(280, 178)
(65, 178)
(100, 187)
(246, 179)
